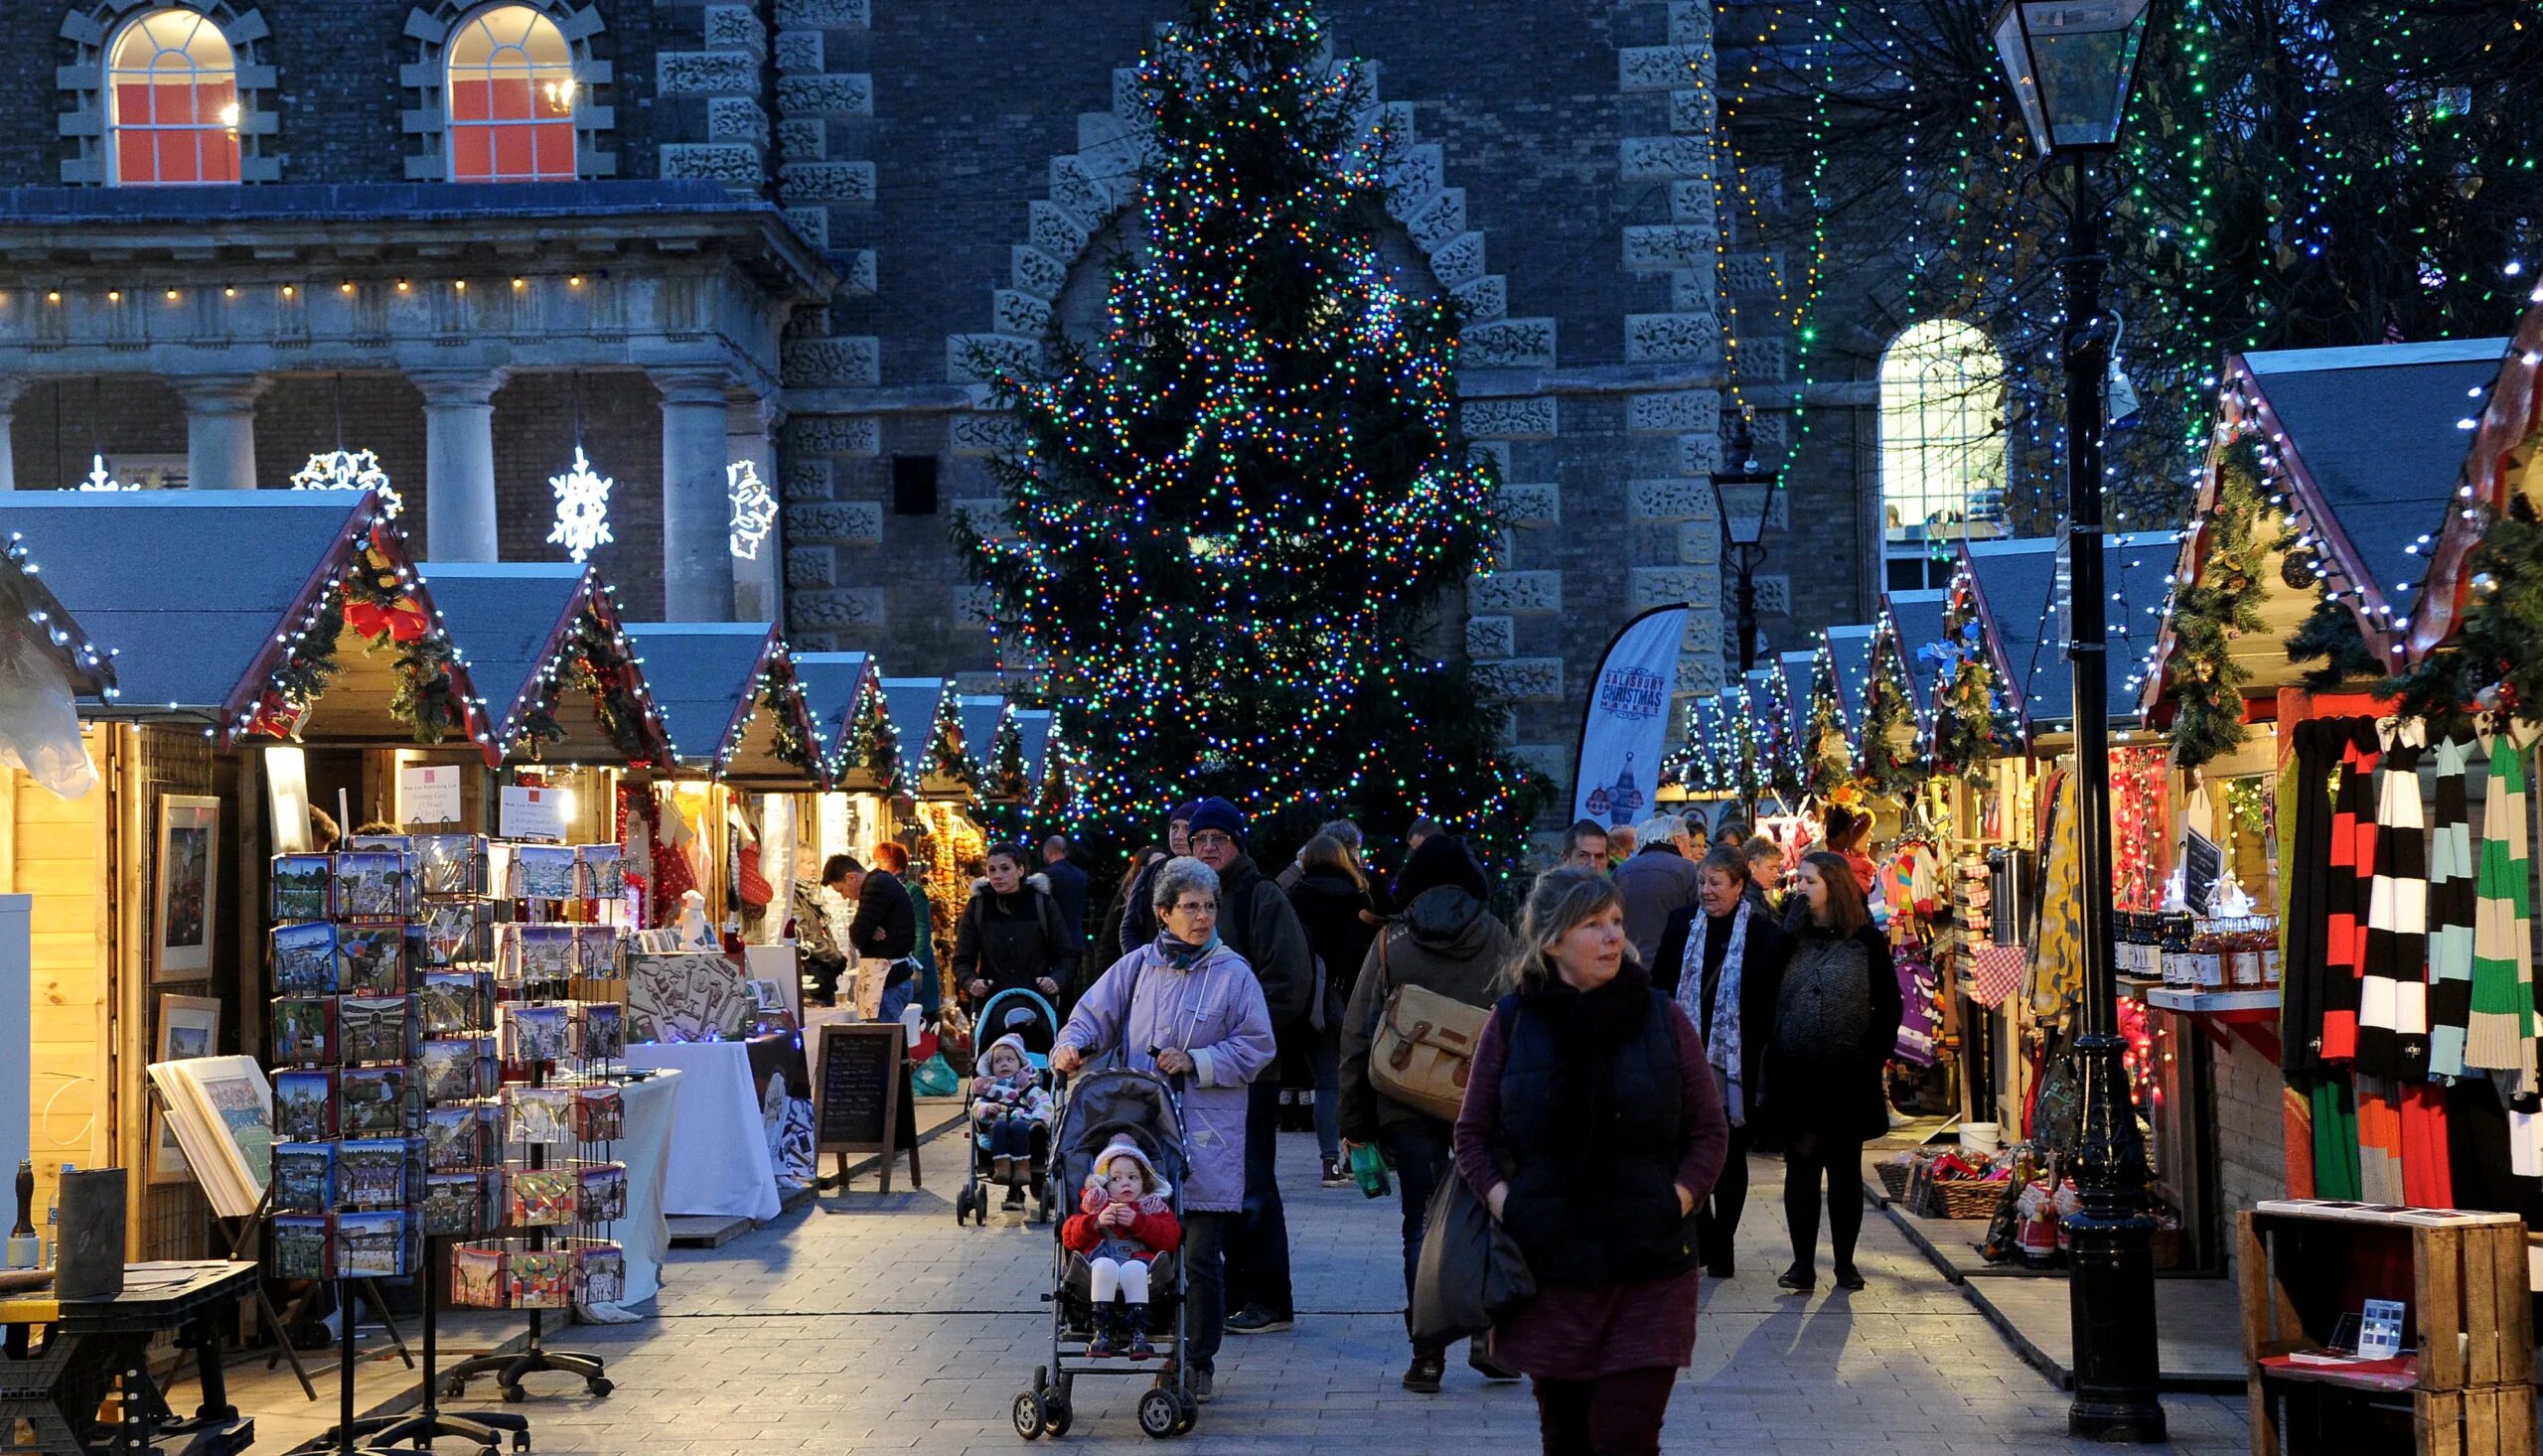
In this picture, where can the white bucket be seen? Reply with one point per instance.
(1979, 1136)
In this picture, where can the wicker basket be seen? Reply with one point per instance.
(1893, 1179)
(1963, 1198)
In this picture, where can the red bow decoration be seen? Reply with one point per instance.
(401, 620)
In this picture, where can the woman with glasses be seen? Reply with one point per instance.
(1188, 1008)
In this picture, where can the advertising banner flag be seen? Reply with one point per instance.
(1627, 726)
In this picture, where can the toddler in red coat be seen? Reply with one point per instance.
(1124, 1223)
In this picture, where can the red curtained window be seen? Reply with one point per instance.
(172, 87)
(509, 99)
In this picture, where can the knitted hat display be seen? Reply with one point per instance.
(1219, 814)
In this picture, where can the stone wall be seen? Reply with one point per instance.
(2251, 1144)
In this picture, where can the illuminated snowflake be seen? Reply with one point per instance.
(582, 508)
(754, 508)
(99, 480)
(348, 470)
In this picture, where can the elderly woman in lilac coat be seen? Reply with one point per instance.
(1187, 1007)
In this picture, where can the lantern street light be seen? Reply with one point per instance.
(2071, 64)
(1742, 491)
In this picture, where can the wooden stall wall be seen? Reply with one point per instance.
(169, 1219)
(55, 849)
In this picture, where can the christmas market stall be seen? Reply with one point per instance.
(948, 847)
(845, 691)
(2303, 565)
(273, 653)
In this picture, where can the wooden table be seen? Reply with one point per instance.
(92, 1345)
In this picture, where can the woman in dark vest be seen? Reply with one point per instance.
(1592, 1129)
(1836, 1023)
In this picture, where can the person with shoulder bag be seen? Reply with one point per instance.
(1402, 1084)
(1591, 1131)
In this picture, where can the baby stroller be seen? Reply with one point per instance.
(1094, 1110)
(1023, 1013)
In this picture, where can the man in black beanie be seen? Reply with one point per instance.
(1257, 923)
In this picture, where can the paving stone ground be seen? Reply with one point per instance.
(868, 1324)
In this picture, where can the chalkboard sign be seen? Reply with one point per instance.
(2204, 864)
(861, 1103)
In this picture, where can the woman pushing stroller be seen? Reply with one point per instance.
(1187, 1007)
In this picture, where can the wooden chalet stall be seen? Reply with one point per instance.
(270, 651)
(949, 843)
(844, 692)
(748, 757)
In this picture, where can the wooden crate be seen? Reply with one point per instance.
(2462, 1277)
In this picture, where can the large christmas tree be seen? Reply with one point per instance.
(1240, 519)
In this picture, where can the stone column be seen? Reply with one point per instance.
(9, 390)
(220, 431)
(698, 557)
(759, 583)
(459, 463)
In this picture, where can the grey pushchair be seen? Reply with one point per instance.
(1095, 1108)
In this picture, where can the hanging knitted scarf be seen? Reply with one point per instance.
(2500, 1031)
(2347, 891)
(1721, 1030)
(2453, 900)
(2057, 961)
(2305, 881)
(2392, 1013)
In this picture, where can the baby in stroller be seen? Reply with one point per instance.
(1009, 1105)
(1124, 1223)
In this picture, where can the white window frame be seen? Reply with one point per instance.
(496, 69)
(1942, 431)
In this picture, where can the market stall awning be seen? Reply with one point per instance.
(2020, 591)
(834, 686)
(544, 645)
(1850, 648)
(981, 713)
(728, 696)
(911, 702)
(1798, 669)
(1918, 618)
(2361, 450)
(2497, 472)
(215, 601)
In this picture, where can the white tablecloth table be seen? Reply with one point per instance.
(646, 1235)
(718, 1163)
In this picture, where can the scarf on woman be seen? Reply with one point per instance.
(1721, 1030)
(1180, 955)
(1589, 1029)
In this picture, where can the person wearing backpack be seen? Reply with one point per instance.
(1010, 933)
(1445, 943)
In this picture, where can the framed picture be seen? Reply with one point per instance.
(189, 909)
(188, 1027)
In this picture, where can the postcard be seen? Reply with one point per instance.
(304, 958)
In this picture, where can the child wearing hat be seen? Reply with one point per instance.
(1124, 1223)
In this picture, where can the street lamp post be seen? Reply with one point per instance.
(2072, 64)
(1742, 491)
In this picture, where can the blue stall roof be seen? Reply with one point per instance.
(1034, 725)
(1851, 648)
(911, 702)
(2017, 582)
(1918, 616)
(29, 609)
(1798, 668)
(703, 674)
(511, 620)
(833, 682)
(981, 713)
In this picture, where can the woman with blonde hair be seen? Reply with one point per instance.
(1837, 1016)
(1592, 1129)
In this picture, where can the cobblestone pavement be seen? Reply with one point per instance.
(866, 1323)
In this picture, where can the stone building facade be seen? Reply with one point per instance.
(792, 226)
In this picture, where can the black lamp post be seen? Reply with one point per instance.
(1742, 489)
(2072, 64)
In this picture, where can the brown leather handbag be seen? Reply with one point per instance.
(1422, 1047)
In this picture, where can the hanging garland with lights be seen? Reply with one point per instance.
(788, 740)
(1888, 759)
(595, 661)
(2209, 614)
(873, 747)
(1830, 766)
(381, 609)
(2491, 664)
(947, 756)
(1236, 514)
(1006, 762)
(1965, 737)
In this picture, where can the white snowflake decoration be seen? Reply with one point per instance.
(348, 470)
(754, 508)
(99, 480)
(582, 508)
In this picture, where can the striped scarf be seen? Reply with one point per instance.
(2392, 1010)
(2452, 902)
(2347, 893)
(2500, 1027)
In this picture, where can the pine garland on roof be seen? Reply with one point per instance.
(2211, 613)
(2491, 664)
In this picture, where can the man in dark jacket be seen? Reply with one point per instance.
(1698, 939)
(1068, 889)
(1257, 921)
(1657, 882)
(885, 930)
(1444, 940)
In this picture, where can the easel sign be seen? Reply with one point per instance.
(861, 1105)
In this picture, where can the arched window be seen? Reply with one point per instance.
(172, 84)
(511, 98)
(1942, 434)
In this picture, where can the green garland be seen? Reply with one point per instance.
(873, 745)
(309, 663)
(2491, 664)
(2330, 636)
(1829, 766)
(948, 757)
(1006, 762)
(1884, 764)
(791, 744)
(1779, 766)
(2208, 614)
(1965, 737)
(424, 700)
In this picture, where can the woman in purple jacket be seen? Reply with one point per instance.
(1190, 1009)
